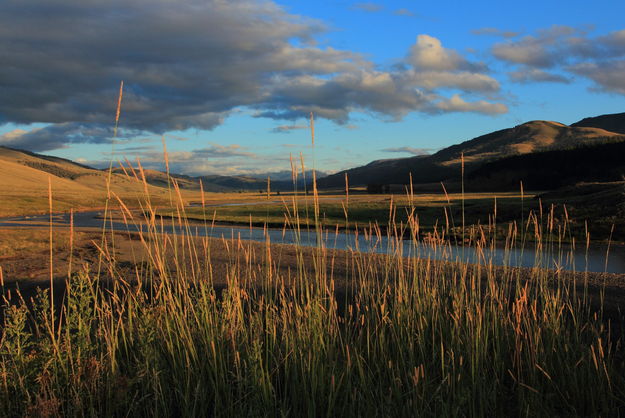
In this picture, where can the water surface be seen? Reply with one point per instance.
(592, 260)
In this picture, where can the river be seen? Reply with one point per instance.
(552, 256)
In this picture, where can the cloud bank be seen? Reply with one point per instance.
(539, 57)
(191, 63)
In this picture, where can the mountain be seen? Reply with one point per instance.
(158, 178)
(388, 171)
(229, 183)
(280, 181)
(218, 183)
(526, 138)
(613, 123)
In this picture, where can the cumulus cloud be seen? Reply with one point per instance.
(221, 151)
(458, 104)
(614, 43)
(530, 51)
(569, 49)
(413, 86)
(143, 148)
(191, 63)
(609, 76)
(428, 53)
(545, 49)
(529, 75)
(390, 94)
(409, 150)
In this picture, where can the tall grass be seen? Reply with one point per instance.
(391, 336)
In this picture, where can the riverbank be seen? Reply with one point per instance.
(27, 265)
(551, 252)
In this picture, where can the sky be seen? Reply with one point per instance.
(228, 85)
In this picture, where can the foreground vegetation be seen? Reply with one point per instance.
(397, 336)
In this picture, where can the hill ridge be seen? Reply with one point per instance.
(528, 137)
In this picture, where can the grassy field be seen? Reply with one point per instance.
(230, 328)
(363, 210)
(434, 212)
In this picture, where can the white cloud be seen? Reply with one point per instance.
(428, 53)
(458, 104)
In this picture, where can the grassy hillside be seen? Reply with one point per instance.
(552, 169)
(25, 176)
(613, 123)
(522, 139)
(160, 179)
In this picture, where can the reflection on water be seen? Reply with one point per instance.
(593, 260)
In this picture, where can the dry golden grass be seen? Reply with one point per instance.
(24, 185)
(22, 241)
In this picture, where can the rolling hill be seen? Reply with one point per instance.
(527, 138)
(549, 170)
(613, 123)
(25, 177)
(158, 178)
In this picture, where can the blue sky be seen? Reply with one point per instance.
(229, 84)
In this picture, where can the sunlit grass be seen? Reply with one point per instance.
(363, 210)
